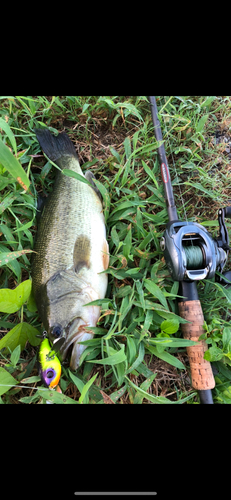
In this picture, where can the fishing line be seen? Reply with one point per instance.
(194, 257)
(193, 253)
(24, 387)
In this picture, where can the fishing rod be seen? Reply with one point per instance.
(191, 254)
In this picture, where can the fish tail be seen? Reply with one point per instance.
(55, 146)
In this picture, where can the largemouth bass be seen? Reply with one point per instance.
(72, 251)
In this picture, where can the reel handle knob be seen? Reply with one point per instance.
(227, 212)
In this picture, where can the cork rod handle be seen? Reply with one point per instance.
(201, 370)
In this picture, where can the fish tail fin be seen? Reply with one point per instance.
(55, 146)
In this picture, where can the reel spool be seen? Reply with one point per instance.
(190, 251)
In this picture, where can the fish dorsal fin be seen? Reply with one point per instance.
(82, 252)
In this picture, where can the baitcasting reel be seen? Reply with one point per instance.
(191, 253)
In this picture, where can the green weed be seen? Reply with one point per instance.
(138, 335)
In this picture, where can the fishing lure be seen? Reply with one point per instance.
(49, 364)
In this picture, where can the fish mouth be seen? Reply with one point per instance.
(77, 333)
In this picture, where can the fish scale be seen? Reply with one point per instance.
(71, 251)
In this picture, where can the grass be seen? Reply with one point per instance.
(138, 355)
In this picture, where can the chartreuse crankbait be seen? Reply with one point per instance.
(49, 365)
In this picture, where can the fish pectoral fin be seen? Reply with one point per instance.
(90, 177)
(105, 254)
(82, 252)
(41, 202)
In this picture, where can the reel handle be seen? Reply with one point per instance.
(227, 212)
(201, 370)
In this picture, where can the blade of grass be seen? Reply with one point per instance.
(4, 126)
(13, 166)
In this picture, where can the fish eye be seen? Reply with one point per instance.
(56, 331)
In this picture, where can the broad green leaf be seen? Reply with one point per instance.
(150, 173)
(112, 360)
(31, 304)
(4, 126)
(166, 356)
(114, 236)
(75, 175)
(226, 339)
(138, 360)
(144, 386)
(156, 292)
(199, 187)
(127, 244)
(170, 326)
(126, 172)
(80, 386)
(6, 381)
(5, 180)
(6, 257)
(182, 149)
(148, 320)
(8, 160)
(6, 202)
(100, 302)
(12, 300)
(85, 106)
(16, 268)
(15, 355)
(86, 388)
(15, 337)
(118, 394)
(158, 308)
(127, 204)
(213, 354)
(89, 353)
(55, 397)
(31, 334)
(150, 397)
(131, 349)
(79, 383)
(144, 370)
(115, 154)
(141, 293)
(225, 291)
(127, 147)
(123, 291)
(94, 391)
(158, 399)
(202, 123)
(130, 109)
(6, 230)
(24, 226)
(19, 335)
(171, 342)
(31, 380)
(208, 101)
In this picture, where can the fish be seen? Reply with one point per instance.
(71, 252)
(49, 365)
